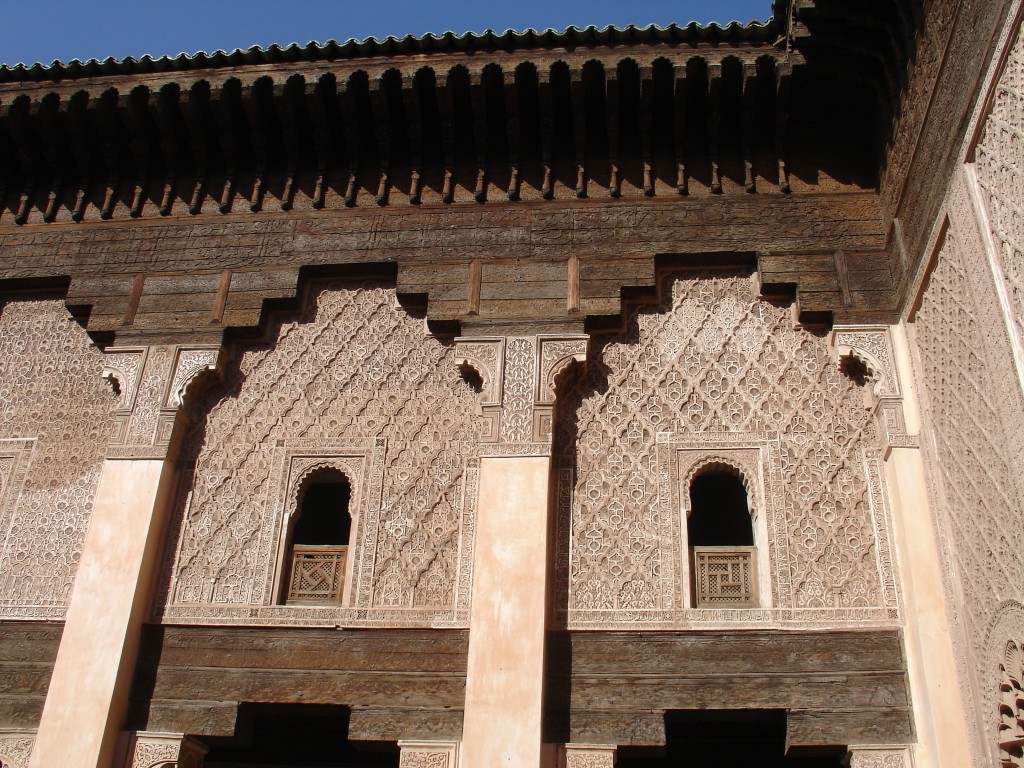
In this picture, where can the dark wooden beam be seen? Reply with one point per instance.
(579, 128)
(478, 99)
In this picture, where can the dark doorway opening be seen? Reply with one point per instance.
(727, 739)
(296, 736)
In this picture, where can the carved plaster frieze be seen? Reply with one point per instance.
(872, 348)
(587, 756)
(56, 414)
(150, 749)
(429, 754)
(16, 747)
(519, 378)
(880, 756)
(349, 382)
(715, 375)
(152, 382)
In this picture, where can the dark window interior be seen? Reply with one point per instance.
(323, 510)
(719, 515)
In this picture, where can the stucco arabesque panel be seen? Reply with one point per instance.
(353, 371)
(715, 360)
(52, 396)
(972, 416)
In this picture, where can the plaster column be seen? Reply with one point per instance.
(504, 710)
(939, 716)
(88, 695)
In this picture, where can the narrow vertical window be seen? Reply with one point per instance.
(319, 540)
(721, 539)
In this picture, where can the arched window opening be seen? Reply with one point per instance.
(318, 552)
(721, 539)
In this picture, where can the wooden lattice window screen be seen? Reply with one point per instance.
(318, 574)
(725, 576)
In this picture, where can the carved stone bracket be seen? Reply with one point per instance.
(16, 747)
(150, 383)
(149, 749)
(587, 756)
(870, 347)
(880, 756)
(519, 381)
(429, 754)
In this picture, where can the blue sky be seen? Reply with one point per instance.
(44, 30)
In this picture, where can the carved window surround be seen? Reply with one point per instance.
(362, 462)
(758, 457)
(751, 458)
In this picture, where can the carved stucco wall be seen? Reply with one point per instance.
(999, 164)
(355, 383)
(968, 364)
(718, 374)
(974, 420)
(52, 397)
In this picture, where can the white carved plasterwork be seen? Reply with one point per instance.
(999, 169)
(189, 364)
(148, 749)
(973, 436)
(153, 381)
(519, 379)
(588, 756)
(16, 747)
(712, 366)
(1004, 728)
(880, 756)
(55, 415)
(872, 345)
(353, 378)
(428, 754)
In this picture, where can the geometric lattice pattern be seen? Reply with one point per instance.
(317, 575)
(725, 576)
(715, 359)
(355, 366)
(52, 393)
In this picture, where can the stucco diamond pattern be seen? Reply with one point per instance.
(715, 360)
(355, 367)
(52, 393)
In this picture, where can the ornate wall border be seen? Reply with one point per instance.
(363, 463)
